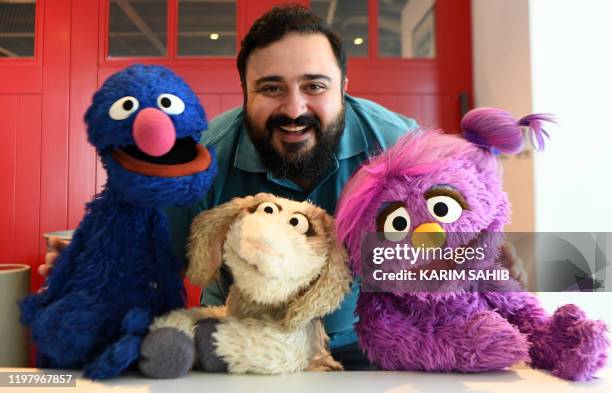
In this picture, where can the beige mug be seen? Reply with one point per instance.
(14, 286)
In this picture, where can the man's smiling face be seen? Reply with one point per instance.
(294, 104)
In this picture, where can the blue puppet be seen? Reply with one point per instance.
(120, 270)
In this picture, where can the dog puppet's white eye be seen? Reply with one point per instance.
(267, 207)
(123, 108)
(299, 222)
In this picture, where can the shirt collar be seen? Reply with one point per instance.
(352, 142)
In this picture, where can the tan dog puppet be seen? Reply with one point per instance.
(289, 271)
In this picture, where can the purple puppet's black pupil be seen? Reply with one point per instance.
(440, 209)
(128, 105)
(400, 223)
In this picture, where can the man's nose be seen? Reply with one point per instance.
(294, 105)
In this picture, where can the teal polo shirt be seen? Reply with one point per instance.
(369, 129)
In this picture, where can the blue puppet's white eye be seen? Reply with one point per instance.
(123, 108)
(170, 104)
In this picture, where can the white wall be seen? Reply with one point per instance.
(572, 77)
(554, 56)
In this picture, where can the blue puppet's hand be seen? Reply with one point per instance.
(121, 354)
(115, 359)
(136, 321)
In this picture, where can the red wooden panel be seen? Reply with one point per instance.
(412, 106)
(193, 294)
(203, 75)
(454, 43)
(221, 77)
(230, 101)
(54, 150)
(431, 111)
(389, 101)
(8, 128)
(25, 79)
(83, 83)
(394, 76)
(27, 181)
(211, 104)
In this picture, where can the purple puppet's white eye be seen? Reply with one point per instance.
(397, 224)
(444, 209)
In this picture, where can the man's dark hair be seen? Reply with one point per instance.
(280, 21)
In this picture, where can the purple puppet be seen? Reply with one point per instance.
(431, 182)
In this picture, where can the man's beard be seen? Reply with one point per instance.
(306, 166)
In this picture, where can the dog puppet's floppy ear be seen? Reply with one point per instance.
(208, 232)
(327, 291)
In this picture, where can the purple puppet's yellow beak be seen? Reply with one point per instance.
(428, 235)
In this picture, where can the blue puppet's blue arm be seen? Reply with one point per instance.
(120, 355)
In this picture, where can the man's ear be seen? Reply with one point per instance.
(344, 85)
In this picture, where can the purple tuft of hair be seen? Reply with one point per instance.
(496, 129)
(536, 131)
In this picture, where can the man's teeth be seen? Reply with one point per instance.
(293, 129)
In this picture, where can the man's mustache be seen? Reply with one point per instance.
(303, 120)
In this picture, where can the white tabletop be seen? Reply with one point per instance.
(519, 379)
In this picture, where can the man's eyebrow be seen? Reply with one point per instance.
(305, 77)
(310, 77)
(269, 78)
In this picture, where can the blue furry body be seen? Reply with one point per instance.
(120, 271)
(120, 263)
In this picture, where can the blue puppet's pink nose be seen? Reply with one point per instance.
(153, 132)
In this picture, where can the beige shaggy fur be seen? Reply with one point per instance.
(289, 271)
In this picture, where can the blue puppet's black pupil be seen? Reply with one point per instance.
(268, 209)
(294, 221)
(128, 105)
(440, 209)
(400, 223)
(166, 102)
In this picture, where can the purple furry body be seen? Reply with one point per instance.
(471, 332)
(476, 326)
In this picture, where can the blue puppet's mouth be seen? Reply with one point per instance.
(183, 151)
(187, 157)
